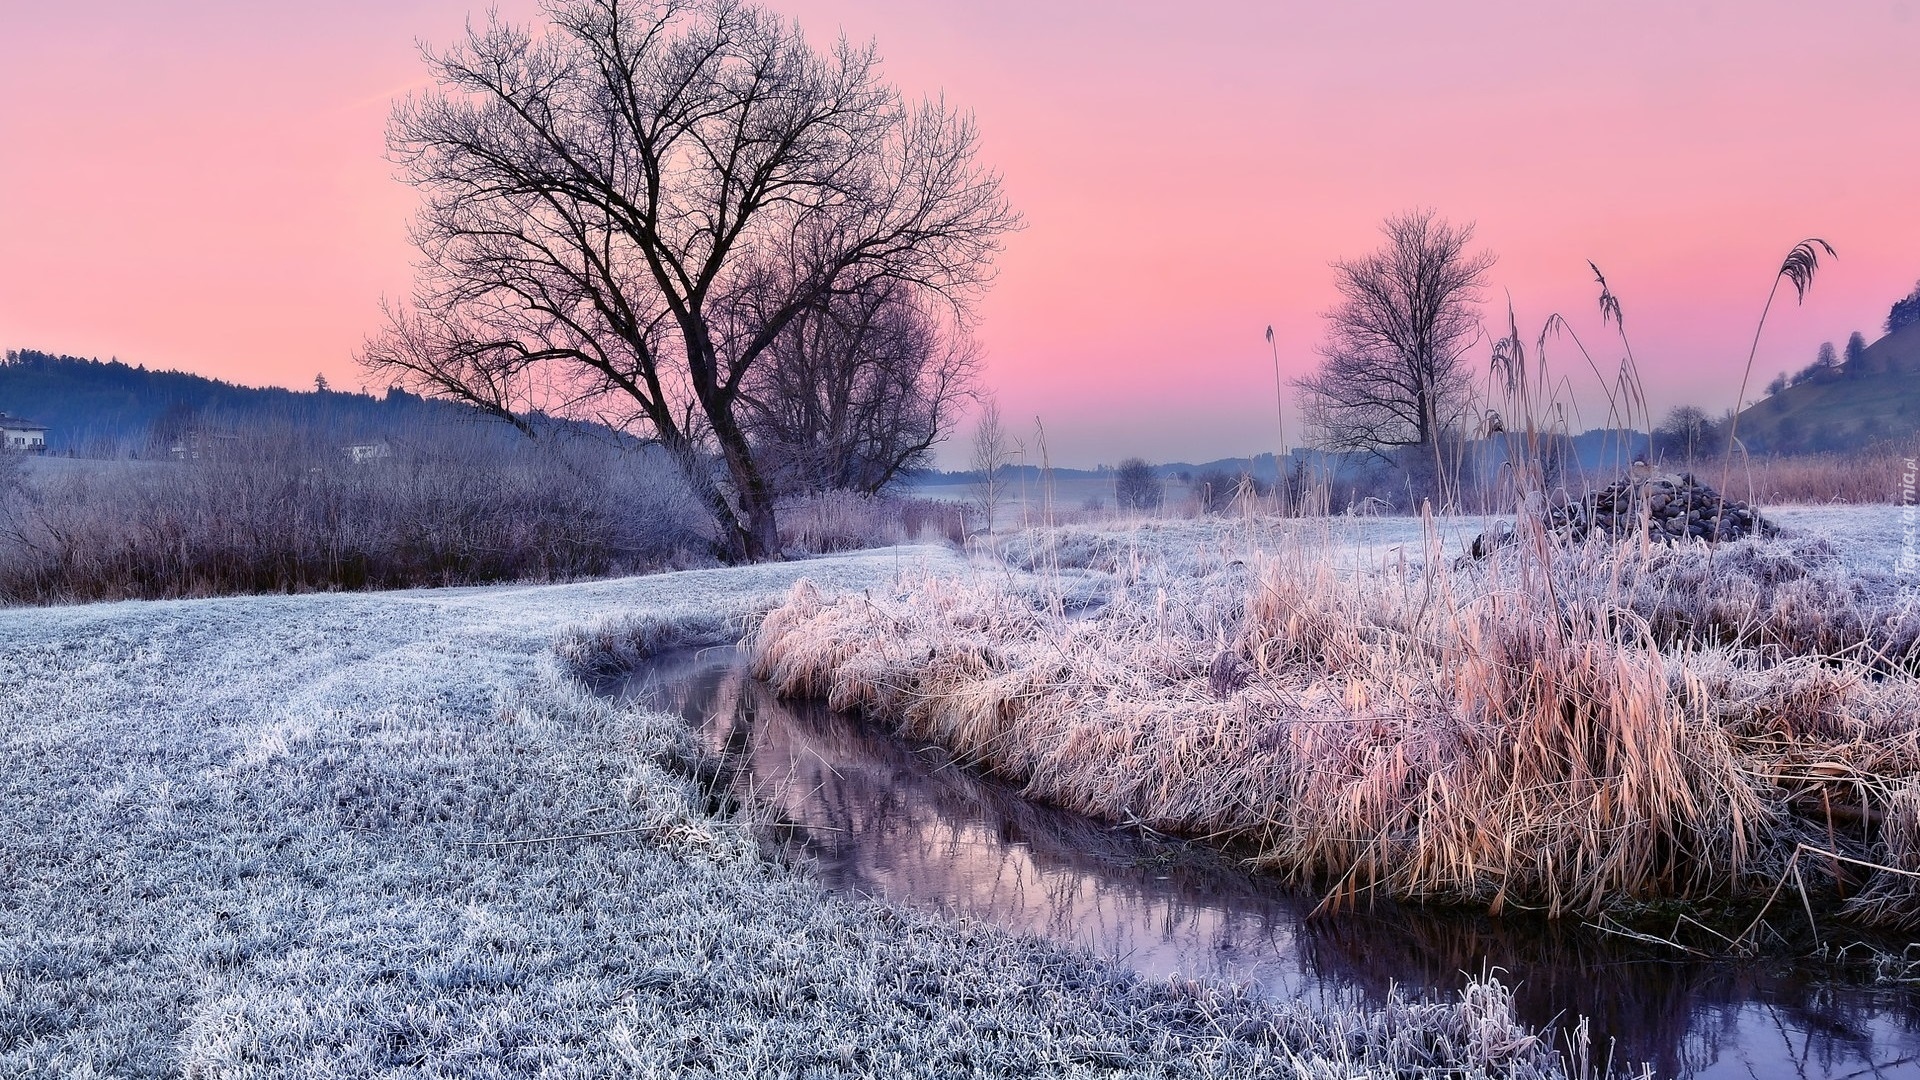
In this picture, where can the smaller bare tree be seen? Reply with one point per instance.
(1136, 486)
(992, 451)
(857, 389)
(1686, 433)
(1392, 373)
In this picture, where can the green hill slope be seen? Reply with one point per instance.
(1844, 410)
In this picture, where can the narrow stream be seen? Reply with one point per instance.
(880, 818)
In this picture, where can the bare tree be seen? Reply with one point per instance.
(1686, 433)
(1135, 485)
(857, 390)
(1392, 373)
(992, 451)
(623, 212)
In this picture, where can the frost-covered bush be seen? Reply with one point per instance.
(287, 511)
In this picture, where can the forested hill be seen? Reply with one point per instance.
(107, 408)
(1854, 405)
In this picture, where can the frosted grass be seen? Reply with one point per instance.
(358, 835)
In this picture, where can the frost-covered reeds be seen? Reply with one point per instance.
(1562, 727)
(831, 521)
(1869, 474)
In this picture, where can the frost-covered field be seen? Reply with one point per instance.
(1870, 538)
(383, 835)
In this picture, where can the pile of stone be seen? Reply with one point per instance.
(1673, 507)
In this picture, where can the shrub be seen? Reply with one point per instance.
(285, 510)
(1216, 491)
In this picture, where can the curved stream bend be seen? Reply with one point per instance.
(877, 817)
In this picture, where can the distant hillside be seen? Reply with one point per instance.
(1844, 410)
(106, 408)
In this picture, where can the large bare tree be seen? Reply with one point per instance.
(857, 390)
(624, 211)
(1392, 373)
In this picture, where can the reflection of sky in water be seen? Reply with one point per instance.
(878, 818)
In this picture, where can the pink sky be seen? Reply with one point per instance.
(203, 187)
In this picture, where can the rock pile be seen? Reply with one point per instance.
(1675, 507)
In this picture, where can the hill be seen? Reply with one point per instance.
(1844, 410)
(108, 408)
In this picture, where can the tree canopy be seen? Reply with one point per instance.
(1392, 373)
(1905, 311)
(623, 213)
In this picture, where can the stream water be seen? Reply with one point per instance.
(881, 818)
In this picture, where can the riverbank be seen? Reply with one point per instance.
(355, 835)
(1578, 730)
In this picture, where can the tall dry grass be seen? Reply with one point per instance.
(1863, 477)
(846, 521)
(1564, 727)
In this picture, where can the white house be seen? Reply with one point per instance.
(361, 453)
(204, 446)
(22, 436)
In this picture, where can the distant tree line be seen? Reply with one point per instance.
(1854, 362)
(1828, 365)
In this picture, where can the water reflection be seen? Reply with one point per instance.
(880, 818)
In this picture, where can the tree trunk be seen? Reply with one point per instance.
(730, 540)
(757, 539)
(759, 534)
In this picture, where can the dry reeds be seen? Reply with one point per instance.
(1860, 477)
(1553, 729)
(834, 521)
